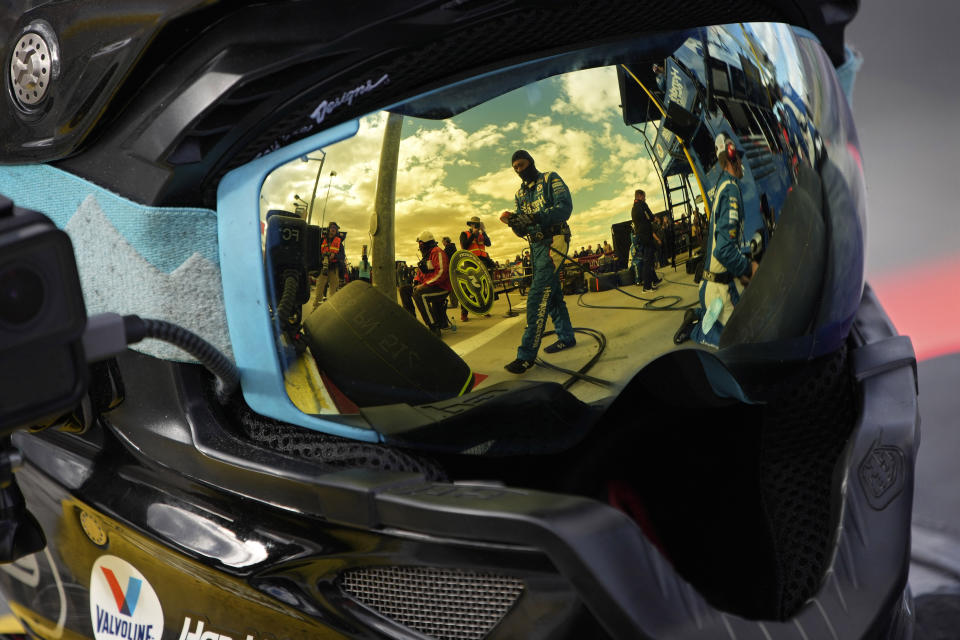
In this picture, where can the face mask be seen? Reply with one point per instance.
(530, 173)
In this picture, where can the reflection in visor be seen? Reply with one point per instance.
(564, 222)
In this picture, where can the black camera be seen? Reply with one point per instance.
(43, 370)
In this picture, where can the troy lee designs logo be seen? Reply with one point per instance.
(327, 107)
(126, 601)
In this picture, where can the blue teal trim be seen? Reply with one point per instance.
(847, 72)
(245, 289)
(721, 380)
(164, 236)
(800, 32)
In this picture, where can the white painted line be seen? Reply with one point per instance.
(315, 380)
(482, 338)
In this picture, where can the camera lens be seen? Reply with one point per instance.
(21, 295)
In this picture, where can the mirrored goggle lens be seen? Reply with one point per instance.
(569, 221)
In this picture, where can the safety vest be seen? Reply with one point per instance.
(330, 246)
(475, 247)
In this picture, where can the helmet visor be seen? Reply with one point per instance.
(629, 236)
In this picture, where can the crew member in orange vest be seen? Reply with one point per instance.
(330, 263)
(475, 240)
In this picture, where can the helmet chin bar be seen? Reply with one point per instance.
(623, 578)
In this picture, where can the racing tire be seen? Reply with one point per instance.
(377, 354)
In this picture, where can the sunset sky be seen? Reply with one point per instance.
(453, 169)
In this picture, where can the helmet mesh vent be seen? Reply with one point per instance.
(805, 434)
(328, 452)
(447, 604)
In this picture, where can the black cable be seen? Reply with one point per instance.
(580, 374)
(596, 335)
(601, 339)
(649, 306)
(686, 284)
(228, 375)
(291, 283)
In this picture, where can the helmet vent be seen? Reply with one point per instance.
(329, 453)
(447, 604)
(805, 433)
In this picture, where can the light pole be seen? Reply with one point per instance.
(384, 208)
(300, 205)
(322, 159)
(323, 217)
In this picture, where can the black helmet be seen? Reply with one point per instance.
(374, 480)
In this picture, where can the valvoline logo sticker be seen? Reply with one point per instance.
(123, 605)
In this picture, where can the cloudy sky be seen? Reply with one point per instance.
(453, 169)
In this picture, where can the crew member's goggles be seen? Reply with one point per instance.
(599, 123)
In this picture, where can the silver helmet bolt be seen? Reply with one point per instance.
(30, 69)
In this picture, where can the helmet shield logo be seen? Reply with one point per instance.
(726, 252)
(882, 474)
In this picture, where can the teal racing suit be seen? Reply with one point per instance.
(720, 288)
(548, 200)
